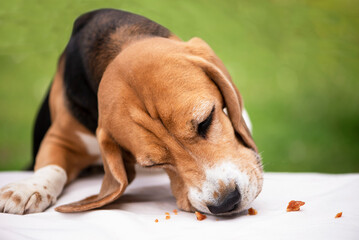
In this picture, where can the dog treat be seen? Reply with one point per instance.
(156, 220)
(339, 215)
(168, 217)
(200, 216)
(175, 211)
(252, 211)
(294, 205)
(167, 213)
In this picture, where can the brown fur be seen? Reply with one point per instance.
(16, 199)
(144, 93)
(6, 195)
(38, 198)
(154, 121)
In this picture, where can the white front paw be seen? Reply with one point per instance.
(34, 194)
(25, 197)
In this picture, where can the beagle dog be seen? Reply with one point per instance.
(127, 91)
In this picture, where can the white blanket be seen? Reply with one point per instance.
(149, 197)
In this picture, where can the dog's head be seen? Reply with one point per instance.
(161, 104)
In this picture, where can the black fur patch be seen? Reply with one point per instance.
(42, 124)
(96, 40)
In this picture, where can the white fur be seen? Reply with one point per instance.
(226, 172)
(90, 141)
(247, 120)
(245, 116)
(35, 193)
(225, 110)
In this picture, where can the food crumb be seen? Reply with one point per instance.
(200, 216)
(294, 205)
(339, 215)
(167, 213)
(168, 217)
(156, 220)
(175, 211)
(252, 211)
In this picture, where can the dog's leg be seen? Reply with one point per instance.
(61, 158)
(62, 155)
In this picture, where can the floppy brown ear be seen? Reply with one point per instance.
(114, 182)
(203, 56)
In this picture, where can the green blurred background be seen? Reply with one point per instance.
(296, 64)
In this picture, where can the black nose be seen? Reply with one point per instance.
(227, 204)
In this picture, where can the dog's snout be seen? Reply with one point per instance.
(229, 203)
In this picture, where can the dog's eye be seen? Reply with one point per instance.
(204, 126)
(156, 165)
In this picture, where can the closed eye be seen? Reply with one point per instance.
(156, 165)
(203, 127)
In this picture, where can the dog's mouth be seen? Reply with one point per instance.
(236, 209)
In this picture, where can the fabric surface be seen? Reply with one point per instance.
(149, 197)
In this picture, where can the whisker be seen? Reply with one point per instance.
(256, 168)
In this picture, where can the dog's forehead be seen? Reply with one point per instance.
(185, 110)
(189, 105)
(176, 90)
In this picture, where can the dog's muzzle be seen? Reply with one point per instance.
(227, 189)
